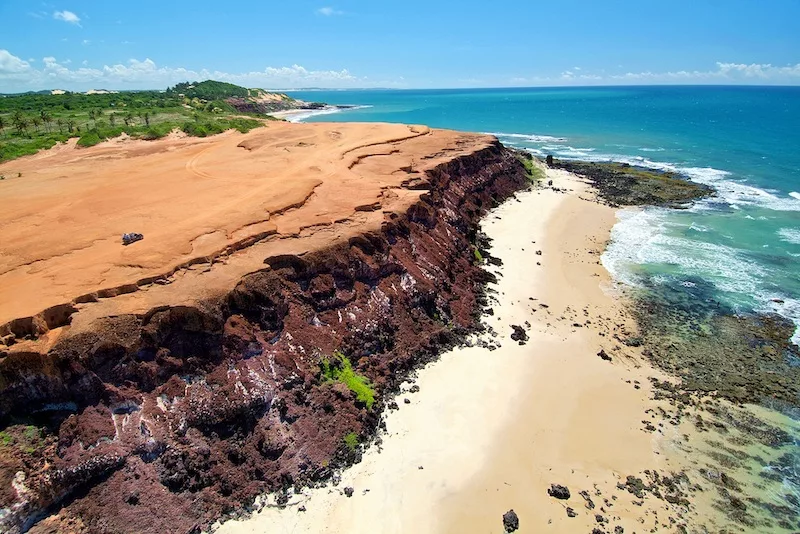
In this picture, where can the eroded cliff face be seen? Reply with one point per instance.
(166, 420)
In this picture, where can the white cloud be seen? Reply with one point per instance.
(11, 64)
(67, 16)
(19, 75)
(329, 11)
(86, 41)
(724, 73)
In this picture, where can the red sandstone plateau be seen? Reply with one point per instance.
(157, 386)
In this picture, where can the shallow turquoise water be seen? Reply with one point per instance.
(745, 141)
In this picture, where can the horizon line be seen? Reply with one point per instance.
(486, 88)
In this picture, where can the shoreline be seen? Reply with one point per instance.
(299, 115)
(570, 411)
(254, 371)
(551, 410)
(636, 452)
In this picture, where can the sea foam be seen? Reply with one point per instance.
(650, 237)
(300, 117)
(532, 138)
(790, 235)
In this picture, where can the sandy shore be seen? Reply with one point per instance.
(298, 115)
(490, 430)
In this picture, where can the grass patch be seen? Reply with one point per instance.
(90, 138)
(25, 438)
(339, 369)
(535, 172)
(351, 441)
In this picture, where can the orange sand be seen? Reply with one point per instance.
(200, 203)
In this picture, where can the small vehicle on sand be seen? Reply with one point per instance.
(132, 237)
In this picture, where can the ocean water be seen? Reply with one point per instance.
(741, 246)
(744, 141)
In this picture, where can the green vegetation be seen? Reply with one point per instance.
(203, 128)
(478, 255)
(90, 138)
(534, 171)
(339, 369)
(351, 441)
(209, 90)
(32, 122)
(25, 438)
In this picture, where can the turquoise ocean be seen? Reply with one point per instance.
(742, 246)
(743, 141)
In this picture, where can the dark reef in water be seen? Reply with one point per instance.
(686, 331)
(744, 358)
(621, 184)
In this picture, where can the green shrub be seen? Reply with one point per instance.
(534, 172)
(195, 129)
(90, 138)
(341, 370)
(351, 440)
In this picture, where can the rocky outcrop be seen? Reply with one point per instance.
(272, 102)
(166, 420)
(621, 184)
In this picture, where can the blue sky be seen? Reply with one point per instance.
(80, 44)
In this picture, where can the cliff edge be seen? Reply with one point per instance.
(287, 279)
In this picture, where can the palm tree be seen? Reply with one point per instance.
(70, 125)
(128, 118)
(60, 123)
(16, 119)
(112, 118)
(36, 122)
(22, 125)
(2, 124)
(46, 119)
(147, 119)
(92, 116)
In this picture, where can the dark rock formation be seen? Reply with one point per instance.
(558, 491)
(519, 334)
(168, 420)
(267, 106)
(604, 355)
(626, 185)
(510, 521)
